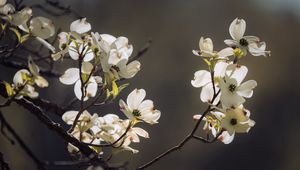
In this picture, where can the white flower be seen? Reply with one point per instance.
(237, 121)
(233, 90)
(114, 56)
(207, 49)
(202, 78)
(80, 26)
(251, 43)
(42, 27)
(138, 109)
(72, 76)
(85, 121)
(34, 69)
(80, 49)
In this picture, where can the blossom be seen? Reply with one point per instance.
(114, 56)
(138, 109)
(80, 26)
(206, 50)
(236, 120)
(233, 90)
(202, 78)
(245, 43)
(72, 75)
(85, 121)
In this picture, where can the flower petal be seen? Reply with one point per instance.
(201, 78)
(130, 70)
(141, 132)
(70, 76)
(237, 29)
(80, 26)
(245, 89)
(135, 98)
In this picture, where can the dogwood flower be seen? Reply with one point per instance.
(232, 90)
(72, 75)
(245, 43)
(21, 17)
(237, 121)
(206, 50)
(137, 109)
(202, 78)
(114, 56)
(6, 9)
(85, 121)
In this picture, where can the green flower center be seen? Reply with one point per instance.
(232, 87)
(136, 113)
(233, 121)
(244, 42)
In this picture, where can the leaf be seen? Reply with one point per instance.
(3, 26)
(24, 38)
(17, 33)
(115, 89)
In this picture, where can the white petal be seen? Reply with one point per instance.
(207, 94)
(229, 99)
(41, 81)
(225, 52)
(206, 44)
(46, 44)
(34, 69)
(18, 79)
(2, 2)
(7, 9)
(80, 26)
(130, 70)
(42, 27)
(201, 78)
(69, 117)
(135, 98)
(87, 67)
(226, 138)
(245, 89)
(70, 76)
(151, 117)
(258, 49)
(141, 132)
(90, 88)
(21, 17)
(231, 43)
(73, 51)
(146, 105)
(220, 69)
(120, 42)
(124, 108)
(237, 29)
(237, 72)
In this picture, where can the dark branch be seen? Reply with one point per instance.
(21, 142)
(3, 164)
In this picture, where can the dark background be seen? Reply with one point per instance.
(175, 27)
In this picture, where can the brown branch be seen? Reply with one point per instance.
(3, 164)
(18, 65)
(190, 136)
(21, 142)
(141, 52)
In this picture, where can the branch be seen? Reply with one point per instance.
(3, 164)
(21, 142)
(18, 65)
(141, 52)
(190, 136)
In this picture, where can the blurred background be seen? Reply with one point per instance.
(175, 27)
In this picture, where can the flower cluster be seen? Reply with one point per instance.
(110, 129)
(95, 52)
(40, 28)
(222, 85)
(24, 81)
(103, 60)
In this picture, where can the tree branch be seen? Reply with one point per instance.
(21, 142)
(3, 164)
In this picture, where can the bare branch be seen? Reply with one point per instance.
(21, 142)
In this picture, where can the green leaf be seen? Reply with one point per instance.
(115, 89)
(17, 33)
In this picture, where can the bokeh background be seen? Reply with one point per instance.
(175, 27)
